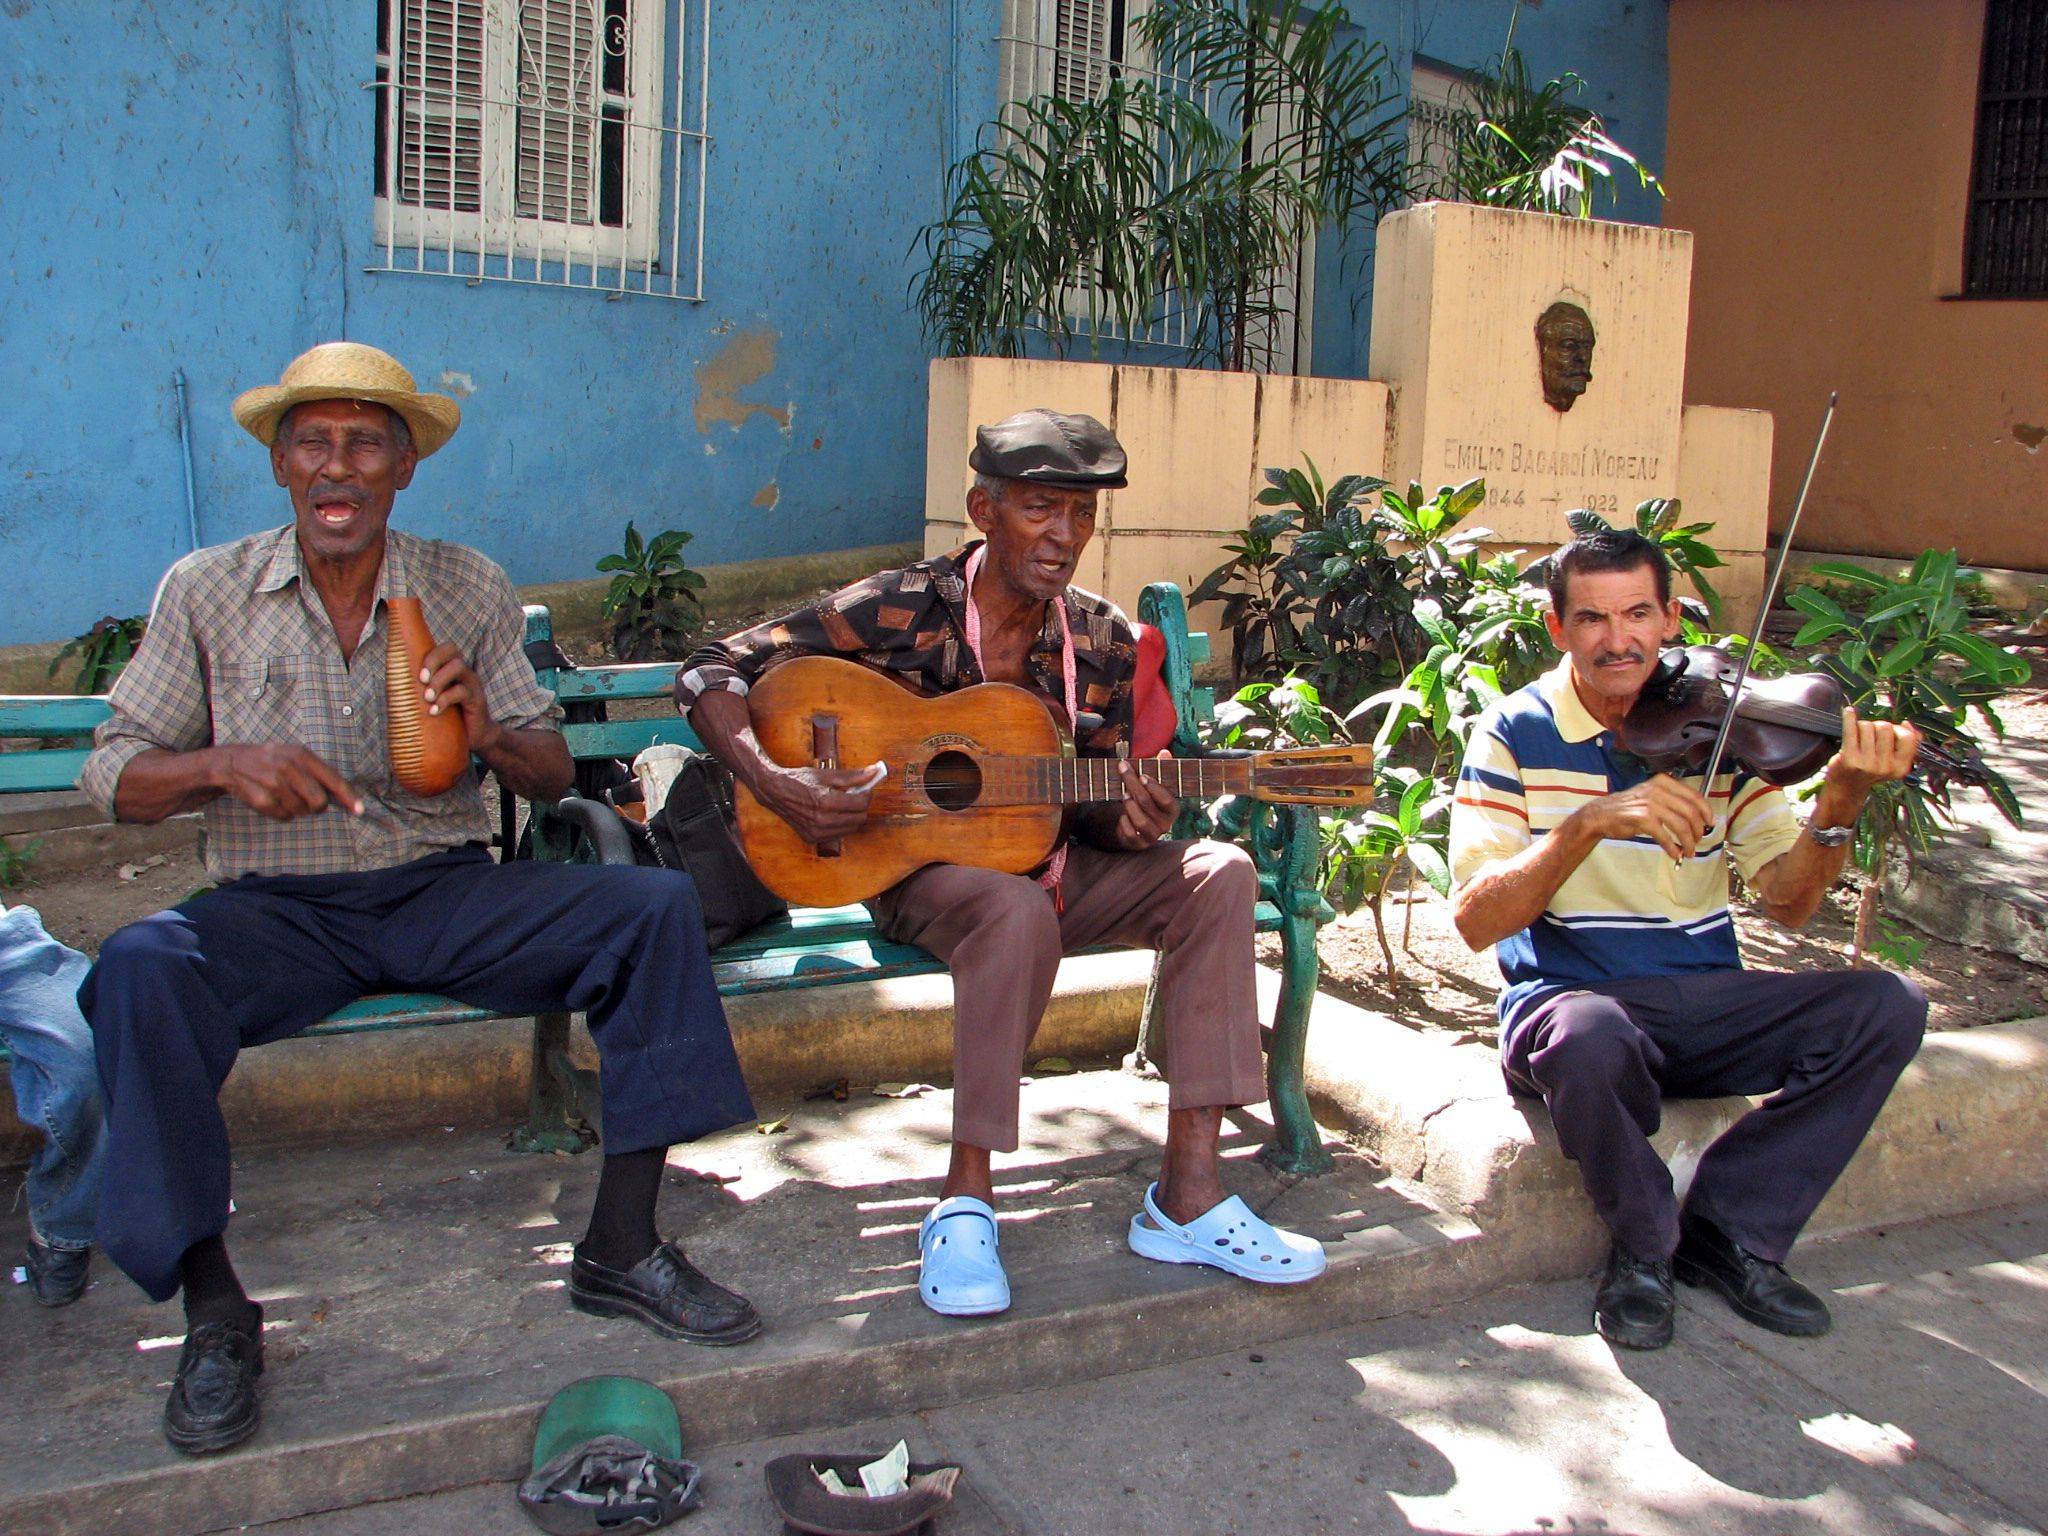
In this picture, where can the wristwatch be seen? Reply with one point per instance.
(1830, 837)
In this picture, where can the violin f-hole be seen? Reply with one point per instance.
(825, 754)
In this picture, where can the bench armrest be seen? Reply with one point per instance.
(1286, 844)
(599, 823)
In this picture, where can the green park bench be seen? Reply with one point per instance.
(810, 947)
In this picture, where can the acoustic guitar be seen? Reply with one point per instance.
(978, 777)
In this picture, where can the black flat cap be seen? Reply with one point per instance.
(1051, 448)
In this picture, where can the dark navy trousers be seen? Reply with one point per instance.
(176, 996)
(1826, 1046)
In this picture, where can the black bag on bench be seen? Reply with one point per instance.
(693, 832)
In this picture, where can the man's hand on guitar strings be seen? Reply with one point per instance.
(824, 803)
(1148, 808)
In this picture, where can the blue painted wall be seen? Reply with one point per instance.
(188, 187)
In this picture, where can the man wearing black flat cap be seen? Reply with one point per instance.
(1003, 609)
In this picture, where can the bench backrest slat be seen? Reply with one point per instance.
(48, 772)
(50, 715)
(624, 738)
(637, 680)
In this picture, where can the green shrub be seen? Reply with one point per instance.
(652, 601)
(102, 652)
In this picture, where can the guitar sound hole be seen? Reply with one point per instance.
(953, 780)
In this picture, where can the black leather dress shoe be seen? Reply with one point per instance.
(213, 1399)
(56, 1275)
(666, 1292)
(1634, 1305)
(1756, 1288)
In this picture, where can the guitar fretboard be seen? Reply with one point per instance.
(1077, 780)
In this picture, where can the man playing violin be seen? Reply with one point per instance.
(1004, 609)
(1604, 890)
(258, 699)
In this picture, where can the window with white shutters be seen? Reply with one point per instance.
(551, 141)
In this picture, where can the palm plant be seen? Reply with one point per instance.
(1181, 193)
(1524, 145)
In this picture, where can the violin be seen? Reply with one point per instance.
(1784, 730)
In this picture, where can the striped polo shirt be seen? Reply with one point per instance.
(1628, 909)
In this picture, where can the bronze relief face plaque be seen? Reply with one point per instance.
(1564, 353)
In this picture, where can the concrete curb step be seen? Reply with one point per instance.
(1083, 1322)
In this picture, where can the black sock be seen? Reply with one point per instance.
(622, 1217)
(213, 1292)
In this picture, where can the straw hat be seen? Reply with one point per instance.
(348, 370)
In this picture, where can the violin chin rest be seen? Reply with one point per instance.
(1670, 667)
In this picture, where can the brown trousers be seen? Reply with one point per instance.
(1003, 938)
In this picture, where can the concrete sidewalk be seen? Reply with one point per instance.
(416, 1317)
(1925, 1412)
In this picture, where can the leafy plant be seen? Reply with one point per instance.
(1363, 853)
(1529, 146)
(1175, 195)
(1260, 586)
(652, 601)
(15, 861)
(1264, 716)
(1909, 656)
(102, 652)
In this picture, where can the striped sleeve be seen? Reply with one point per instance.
(1489, 813)
(1760, 827)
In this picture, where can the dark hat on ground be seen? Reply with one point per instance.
(608, 1457)
(809, 1506)
(1051, 448)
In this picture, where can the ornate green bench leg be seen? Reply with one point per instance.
(563, 1101)
(1297, 1145)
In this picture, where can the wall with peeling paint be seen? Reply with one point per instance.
(1822, 156)
(188, 187)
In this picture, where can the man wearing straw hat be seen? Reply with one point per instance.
(258, 698)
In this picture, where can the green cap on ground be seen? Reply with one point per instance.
(608, 1405)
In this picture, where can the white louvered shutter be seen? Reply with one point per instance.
(1080, 70)
(557, 63)
(439, 64)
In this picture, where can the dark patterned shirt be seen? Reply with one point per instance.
(913, 623)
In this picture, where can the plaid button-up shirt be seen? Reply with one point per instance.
(913, 623)
(239, 649)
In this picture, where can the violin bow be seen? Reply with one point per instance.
(1756, 630)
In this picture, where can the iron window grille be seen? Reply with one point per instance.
(1074, 50)
(552, 142)
(2006, 246)
(1439, 101)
